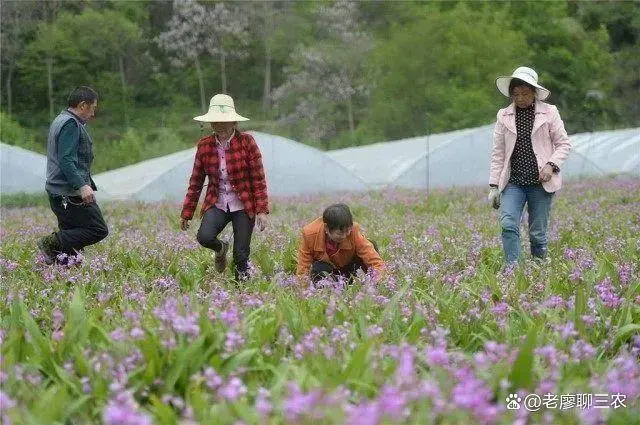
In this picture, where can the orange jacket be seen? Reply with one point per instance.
(312, 248)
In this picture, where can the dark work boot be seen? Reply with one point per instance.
(49, 246)
(221, 257)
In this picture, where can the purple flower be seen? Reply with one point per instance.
(366, 413)
(567, 331)
(430, 390)
(212, 379)
(607, 294)
(591, 416)
(86, 386)
(57, 335)
(405, 372)
(263, 405)
(118, 335)
(569, 254)
(5, 401)
(392, 402)
(136, 333)
(8, 264)
(233, 341)
(233, 389)
(231, 317)
(167, 283)
(58, 318)
(186, 325)
(624, 377)
(581, 350)
(501, 309)
(624, 273)
(550, 354)
(589, 320)
(554, 301)
(374, 330)
(123, 410)
(575, 275)
(298, 404)
(546, 386)
(472, 394)
(286, 280)
(587, 263)
(310, 343)
(436, 356)
(493, 353)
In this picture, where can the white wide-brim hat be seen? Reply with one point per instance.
(525, 74)
(221, 109)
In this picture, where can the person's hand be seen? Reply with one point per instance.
(546, 173)
(494, 197)
(261, 221)
(86, 193)
(184, 224)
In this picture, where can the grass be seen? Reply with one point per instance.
(145, 328)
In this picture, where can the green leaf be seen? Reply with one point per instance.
(241, 359)
(77, 328)
(163, 414)
(62, 376)
(521, 376)
(76, 406)
(358, 362)
(41, 343)
(187, 359)
(626, 331)
(579, 309)
(50, 405)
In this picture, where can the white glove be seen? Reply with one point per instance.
(494, 197)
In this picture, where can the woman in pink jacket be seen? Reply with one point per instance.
(530, 145)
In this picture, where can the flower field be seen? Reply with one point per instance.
(141, 330)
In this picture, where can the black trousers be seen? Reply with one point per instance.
(213, 223)
(321, 269)
(79, 224)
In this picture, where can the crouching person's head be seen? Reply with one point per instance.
(338, 222)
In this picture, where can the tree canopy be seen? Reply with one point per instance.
(329, 73)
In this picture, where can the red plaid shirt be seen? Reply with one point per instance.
(245, 170)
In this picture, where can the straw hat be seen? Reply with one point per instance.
(527, 75)
(221, 109)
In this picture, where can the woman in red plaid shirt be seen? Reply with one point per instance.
(237, 188)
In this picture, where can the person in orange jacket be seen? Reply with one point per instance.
(333, 245)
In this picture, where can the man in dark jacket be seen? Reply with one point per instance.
(69, 183)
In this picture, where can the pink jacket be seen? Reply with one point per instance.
(548, 137)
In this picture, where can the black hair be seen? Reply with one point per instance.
(337, 217)
(81, 94)
(516, 82)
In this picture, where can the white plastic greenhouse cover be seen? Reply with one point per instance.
(457, 158)
(22, 170)
(291, 168)
(381, 164)
(607, 152)
(461, 158)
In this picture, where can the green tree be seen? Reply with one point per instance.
(436, 73)
(16, 21)
(324, 79)
(83, 47)
(570, 61)
(622, 22)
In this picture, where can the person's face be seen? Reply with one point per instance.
(87, 110)
(523, 96)
(337, 235)
(223, 129)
